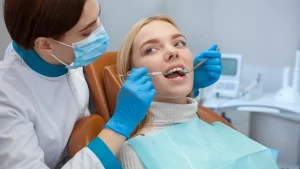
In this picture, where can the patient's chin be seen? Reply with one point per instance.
(173, 94)
(171, 91)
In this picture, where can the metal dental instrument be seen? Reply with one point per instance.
(149, 74)
(199, 64)
(185, 71)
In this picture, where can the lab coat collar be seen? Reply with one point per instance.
(36, 63)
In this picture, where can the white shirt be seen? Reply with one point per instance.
(37, 115)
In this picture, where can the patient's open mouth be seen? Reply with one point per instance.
(174, 73)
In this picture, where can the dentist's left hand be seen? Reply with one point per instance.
(133, 102)
(210, 72)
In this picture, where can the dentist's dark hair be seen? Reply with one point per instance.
(27, 20)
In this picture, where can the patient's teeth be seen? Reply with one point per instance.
(175, 69)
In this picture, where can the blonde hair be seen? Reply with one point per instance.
(124, 58)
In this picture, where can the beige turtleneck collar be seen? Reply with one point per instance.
(165, 114)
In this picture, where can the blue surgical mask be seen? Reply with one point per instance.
(89, 49)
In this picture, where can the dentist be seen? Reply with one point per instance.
(43, 91)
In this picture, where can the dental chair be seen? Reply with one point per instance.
(104, 86)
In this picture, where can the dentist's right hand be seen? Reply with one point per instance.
(133, 102)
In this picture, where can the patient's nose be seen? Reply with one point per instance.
(171, 54)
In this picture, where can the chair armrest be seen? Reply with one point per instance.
(84, 131)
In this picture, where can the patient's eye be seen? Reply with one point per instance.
(180, 43)
(150, 50)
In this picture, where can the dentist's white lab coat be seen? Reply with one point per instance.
(37, 115)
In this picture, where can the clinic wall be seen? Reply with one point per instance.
(118, 16)
(266, 32)
(5, 39)
(194, 18)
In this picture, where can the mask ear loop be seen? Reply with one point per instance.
(59, 60)
(56, 57)
(61, 43)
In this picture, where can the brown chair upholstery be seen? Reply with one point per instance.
(84, 132)
(104, 86)
(94, 75)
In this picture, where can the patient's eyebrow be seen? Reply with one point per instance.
(177, 36)
(157, 41)
(150, 41)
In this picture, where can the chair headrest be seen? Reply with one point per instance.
(112, 86)
(94, 74)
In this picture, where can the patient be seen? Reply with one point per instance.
(172, 135)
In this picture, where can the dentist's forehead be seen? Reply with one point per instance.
(90, 13)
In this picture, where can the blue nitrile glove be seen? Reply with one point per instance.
(133, 102)
(208, 73)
